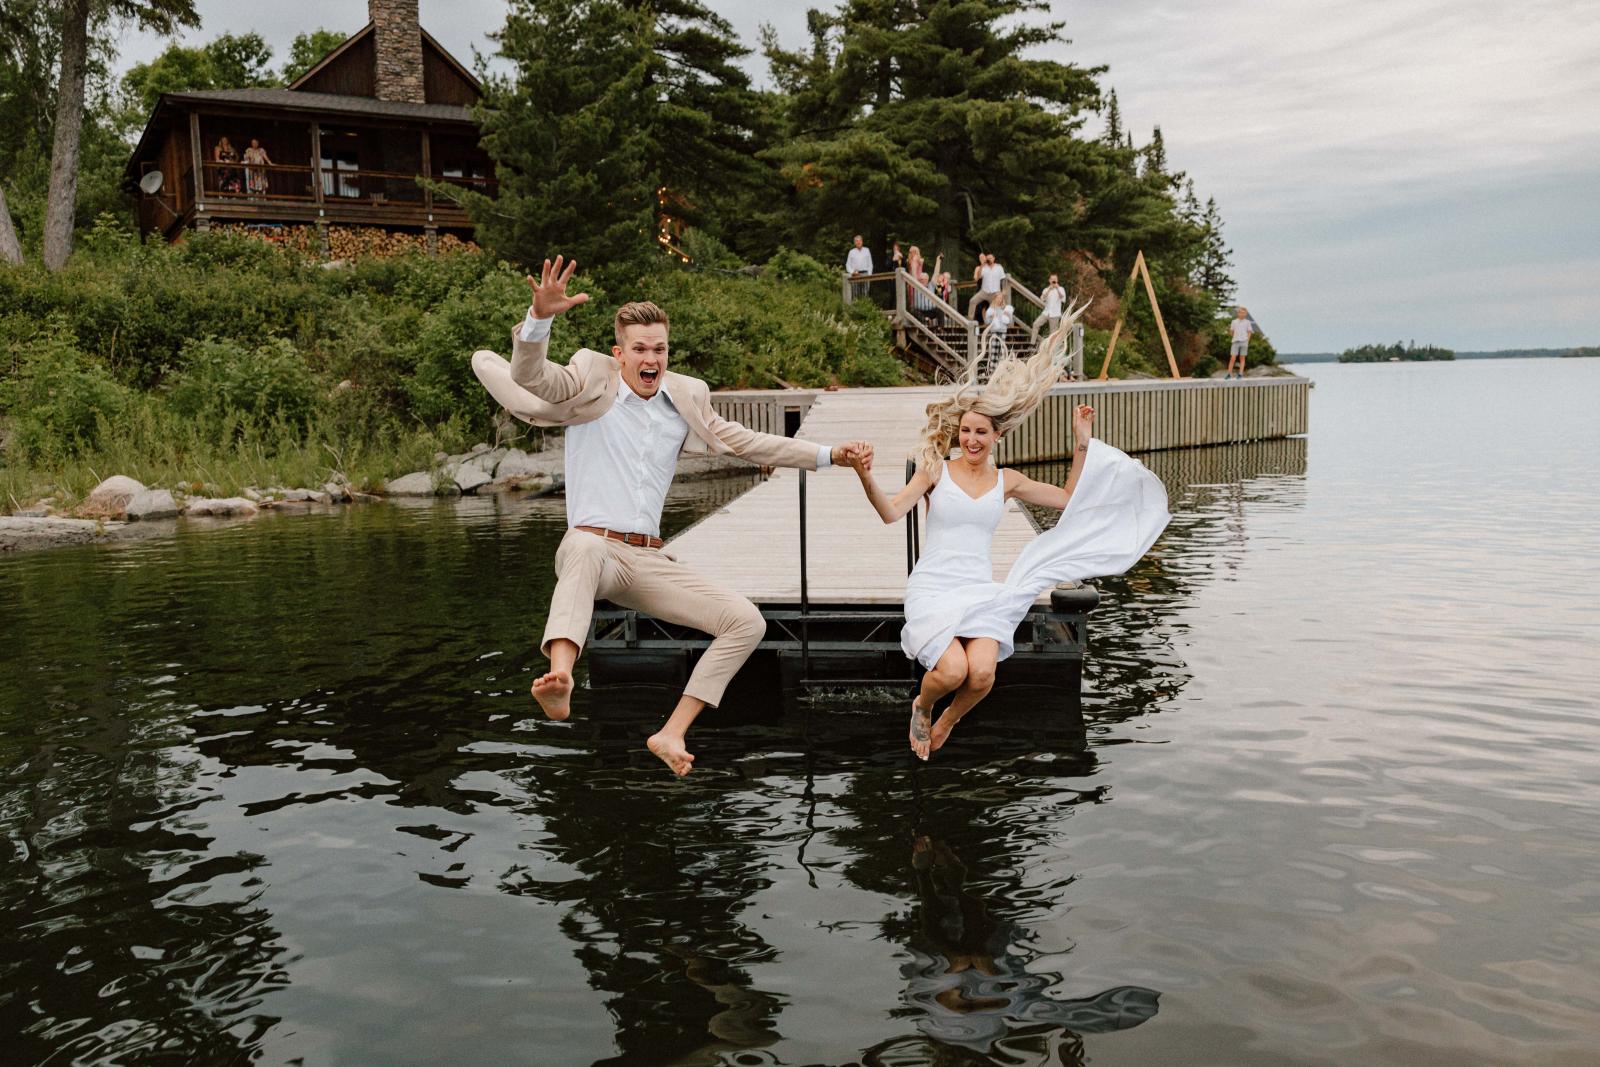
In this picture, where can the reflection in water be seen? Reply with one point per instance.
(278, 793)
(967, 983)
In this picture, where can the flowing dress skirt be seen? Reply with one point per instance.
(1117, 511)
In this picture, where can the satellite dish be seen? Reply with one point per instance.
(151, 182)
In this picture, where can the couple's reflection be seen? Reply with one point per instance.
(967, 986)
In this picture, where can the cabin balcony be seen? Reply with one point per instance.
(314, 173)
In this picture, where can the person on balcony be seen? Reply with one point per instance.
(255, 178)
(229, 179)
(858, 263)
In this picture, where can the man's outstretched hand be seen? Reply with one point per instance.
(857, 454)
(550, 290)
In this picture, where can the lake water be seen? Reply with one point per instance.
(278, 793)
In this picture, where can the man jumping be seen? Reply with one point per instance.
(627, 418)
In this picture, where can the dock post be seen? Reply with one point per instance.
(805, 592)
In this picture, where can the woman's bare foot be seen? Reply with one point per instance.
(553, 691)
(940, 732)
(920, 718)
(668, 748)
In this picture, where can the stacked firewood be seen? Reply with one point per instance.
(351, 242)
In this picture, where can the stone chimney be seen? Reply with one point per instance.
(398, 37)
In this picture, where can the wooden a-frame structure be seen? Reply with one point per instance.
(1139, 270)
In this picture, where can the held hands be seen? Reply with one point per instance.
(550, 291)
(855, 454)
(1083, 424)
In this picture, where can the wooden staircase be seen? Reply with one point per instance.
(936, 337)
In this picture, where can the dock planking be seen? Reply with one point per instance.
(753, 543)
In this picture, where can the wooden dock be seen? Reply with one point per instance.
(848, 635)
(754, 542)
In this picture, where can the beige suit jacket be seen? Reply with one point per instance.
(543, 393)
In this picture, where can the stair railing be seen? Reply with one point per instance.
(906, 317)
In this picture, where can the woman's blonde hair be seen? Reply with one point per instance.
(1014, 389)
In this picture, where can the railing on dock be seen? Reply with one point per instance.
(1141, 415)
(1157, 414)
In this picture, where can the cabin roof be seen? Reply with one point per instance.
(300, 100)
(349, 43)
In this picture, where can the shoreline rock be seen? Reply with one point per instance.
(150, 504)
(17, 534)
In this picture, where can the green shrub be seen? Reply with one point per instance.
(221, 378)
(58, 398)
(439, 353)
(790, 266)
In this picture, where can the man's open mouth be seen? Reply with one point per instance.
(648, 377)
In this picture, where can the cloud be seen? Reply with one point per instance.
(1393, 156)
(1362, 153)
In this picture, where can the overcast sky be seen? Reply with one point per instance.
(1387, 169)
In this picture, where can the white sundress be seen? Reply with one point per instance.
(1117, 511)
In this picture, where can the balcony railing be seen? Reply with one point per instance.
(280, 182)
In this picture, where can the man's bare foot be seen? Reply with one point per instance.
(920, 718)
(553, 691)
(941, 732)
(668, 748)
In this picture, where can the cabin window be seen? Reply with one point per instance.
(341, 172)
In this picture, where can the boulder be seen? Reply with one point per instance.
(418, 483)
(251, 493)
(110, 498)
(305, 496)
(219, 507)
(518, 464)
(18, 533)
(468, 476)
(151, 504)
(480, 448)
(336, 492)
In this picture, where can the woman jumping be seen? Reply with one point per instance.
(959, 621)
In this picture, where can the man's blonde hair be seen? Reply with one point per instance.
(638, 313)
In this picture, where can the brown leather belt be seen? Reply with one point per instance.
(637, 540)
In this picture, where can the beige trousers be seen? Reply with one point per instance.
(590, 567)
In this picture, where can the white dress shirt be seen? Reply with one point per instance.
(858, 261)
(1053, 296)
(619, 467)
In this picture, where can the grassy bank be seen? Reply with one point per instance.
(227, 362)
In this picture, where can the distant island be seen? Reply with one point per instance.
(1503, 353)
(1395, 353)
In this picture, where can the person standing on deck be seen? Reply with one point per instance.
(991, 278)
(857, 263)
(1054, 298)
(1239, 329)
(627, 417)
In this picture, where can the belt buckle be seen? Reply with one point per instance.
(637, 540)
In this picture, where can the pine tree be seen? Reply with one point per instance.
(621, 119)
(1113, 134)
(1215, 259)
(569, 131)
(933, 118)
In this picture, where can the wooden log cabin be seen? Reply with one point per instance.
(347, 142)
